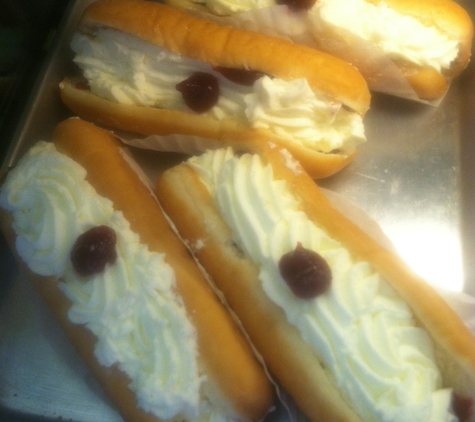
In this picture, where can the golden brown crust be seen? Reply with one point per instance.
(152, 121)
(455, 345)
(289, 359)
(446, 15)
(142, 120)
(225, 46)
(317, 164)
(451, 335)
(243, 389)
(243, 384)
(427, 83)
(113, 382)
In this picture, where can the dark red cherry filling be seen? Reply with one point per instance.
(297, 5)
(93, 250)
(463, 407)
(306, 273)
(239, 76)
(200, 91)
(82, 85)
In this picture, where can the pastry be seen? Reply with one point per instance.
(342, 322)
(123, 287)
(154, 70)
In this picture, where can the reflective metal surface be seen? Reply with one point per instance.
(407, 177)
(415, 176)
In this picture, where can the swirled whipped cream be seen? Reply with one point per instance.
(132, 307)
(125, 69)
(364, 334)
(397, 35)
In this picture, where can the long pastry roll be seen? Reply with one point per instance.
(154, 70)
(425, 43)
(123, 287)
(345, 326)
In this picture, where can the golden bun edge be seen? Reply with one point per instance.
(225, 46)
(452, 337)
(243, 385)
(112, 381)
(445, 15)
(288, 358)
(454, 343)
(451, 19)
(149, 121)
(243, 389)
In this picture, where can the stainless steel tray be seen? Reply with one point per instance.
(415, 176)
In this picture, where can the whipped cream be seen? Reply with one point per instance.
(231, 7)
(125, 69)
(398, 36)
(361, 330)
(291, 110)
(132, 306)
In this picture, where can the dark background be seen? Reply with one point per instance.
(26, 30)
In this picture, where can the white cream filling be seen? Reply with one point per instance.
(397, 35)
(231, 7)
(132, 307)
(363, 332)
(122, 68)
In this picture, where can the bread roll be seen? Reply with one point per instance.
(367, 339)
(136, 56)
(427, 41)
(139, 311)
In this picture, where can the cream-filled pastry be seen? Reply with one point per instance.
(143, 79)
(429, 41)
(337, 317)
(133, 303)
(122, 68)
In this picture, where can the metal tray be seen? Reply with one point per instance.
(415, 176)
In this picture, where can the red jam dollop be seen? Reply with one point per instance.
(306, 273)
(239, 76)
(462, 407)
(93, 250)
(200, 91)
(297, 5)
(82, 85)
